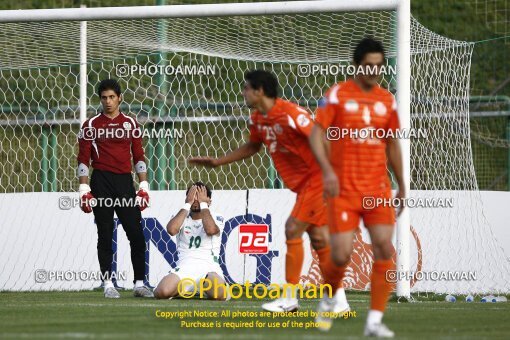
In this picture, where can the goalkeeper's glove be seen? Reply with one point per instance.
(85, 198)
(142, 196)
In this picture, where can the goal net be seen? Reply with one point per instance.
(182, 80)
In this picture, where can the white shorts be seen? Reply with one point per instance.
(196, 270)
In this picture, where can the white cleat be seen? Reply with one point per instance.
(324, 322)
(378, 330)
(327, 311)
(281, 305)
(111, 293)
(143, 292)
(341, 309)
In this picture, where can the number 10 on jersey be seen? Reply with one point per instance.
(195, 241)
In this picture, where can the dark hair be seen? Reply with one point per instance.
(200, 185)
(108, 84)
(263, 79)
(365, 46)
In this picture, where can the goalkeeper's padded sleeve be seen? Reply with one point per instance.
(140, 167)
(83, 170)
(85, 198)
(142, 196)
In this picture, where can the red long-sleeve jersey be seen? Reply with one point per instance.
(110, 143)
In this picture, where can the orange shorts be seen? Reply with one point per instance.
(310, 206)
(345, 211)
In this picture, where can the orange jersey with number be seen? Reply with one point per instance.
(358, 157)
(285, 130)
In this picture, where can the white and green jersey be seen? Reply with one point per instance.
(193, 243)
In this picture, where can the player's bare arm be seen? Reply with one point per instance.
(210, 226)
(394, 155)
(246, 150)
(142, 176)
(174, 225)
(320, 150)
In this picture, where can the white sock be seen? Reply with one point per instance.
(291, 292)
(340, 297)
(108, 284)
(374, 317)
(139, 283)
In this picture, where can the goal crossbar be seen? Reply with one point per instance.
(199, 10)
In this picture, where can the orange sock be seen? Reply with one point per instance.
(336, 276)
(380, 287)
(332, 274)
(324, 255)
(294, 260)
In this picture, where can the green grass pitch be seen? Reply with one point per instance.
(52, 315)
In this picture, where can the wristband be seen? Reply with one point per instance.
(83, 170)
(203, 205)
(187, 207)
(140, 167)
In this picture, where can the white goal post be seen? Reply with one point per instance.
(402, 7)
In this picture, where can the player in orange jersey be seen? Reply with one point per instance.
(359, 117)
(284, 128)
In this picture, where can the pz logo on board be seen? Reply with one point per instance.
(253, 238)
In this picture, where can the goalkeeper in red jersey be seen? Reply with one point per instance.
(284, 128)
(112, 140)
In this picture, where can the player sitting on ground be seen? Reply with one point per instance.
(284, 128)
(198, 243)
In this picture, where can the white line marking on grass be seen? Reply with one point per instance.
(154, 335)
(45, 335)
